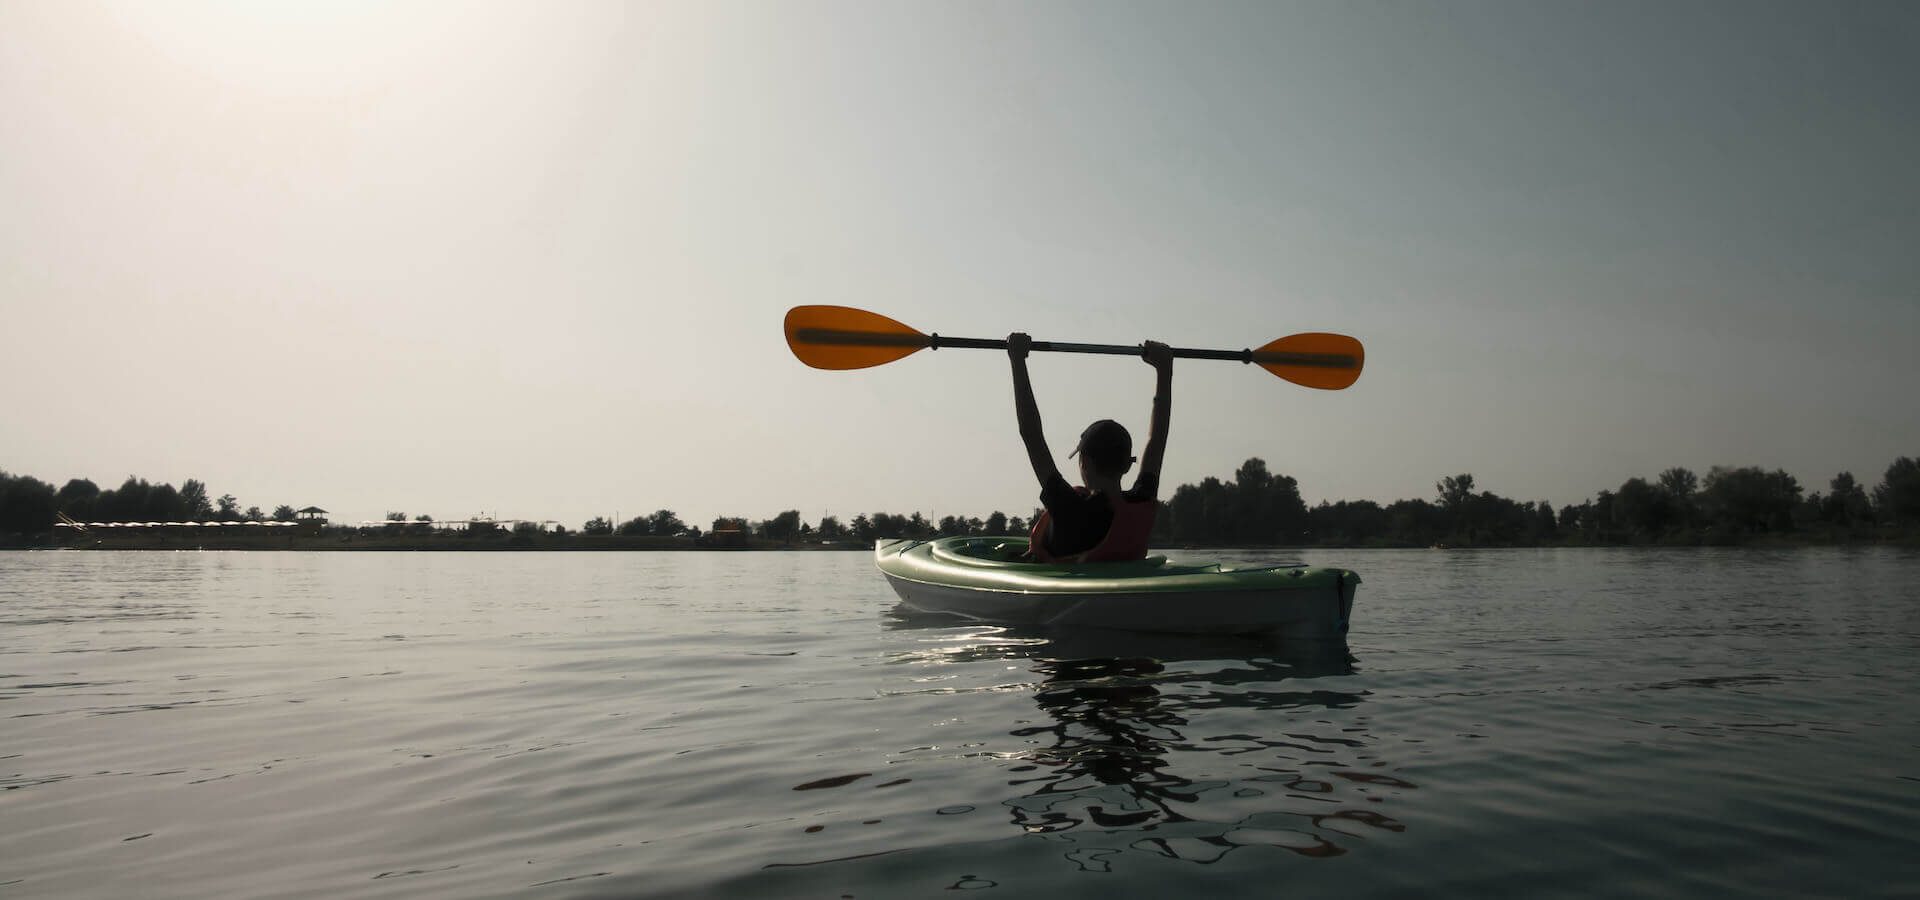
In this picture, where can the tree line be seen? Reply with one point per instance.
(1256, 507)
(788, 526)
(1727, 505)
(30, 506)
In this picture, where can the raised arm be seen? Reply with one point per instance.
(1157, 355)
(1027, 411)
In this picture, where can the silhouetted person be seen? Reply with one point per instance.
(1096, 522)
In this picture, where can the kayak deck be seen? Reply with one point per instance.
(982, 578)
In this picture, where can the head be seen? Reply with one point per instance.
(1105, 449)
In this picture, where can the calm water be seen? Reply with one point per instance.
(1515, 723)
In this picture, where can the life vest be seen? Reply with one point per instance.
(1126, 537)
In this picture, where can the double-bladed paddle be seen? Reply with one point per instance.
(840, 337)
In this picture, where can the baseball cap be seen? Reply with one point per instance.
(1105, 441)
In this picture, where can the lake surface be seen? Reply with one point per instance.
(1529, 723)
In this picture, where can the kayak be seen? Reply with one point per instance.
(983, 578)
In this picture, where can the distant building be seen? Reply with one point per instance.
(310, 520)
(728, 533)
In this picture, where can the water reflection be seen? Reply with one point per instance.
(1183, 746)
(1109, 728)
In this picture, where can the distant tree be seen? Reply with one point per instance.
(284, 513)
(1216, 511)
(1642, 509)
(1357, 522)
(918, 527)
(194, 495)
(1597, 520)
(164, 505)
(996, 523)
(637, 526)
(1456, 499)
(1682, 487)
(1415, 522)
(597, 525)
(889, 525)
(1810, 510)
(228, 509)
(76, 498)
(1679, 483)
(1898, 495)
(1258, 507)
(1499, 521)
(126, 503)
(26, 505)
(1749, 499)
(423, 517)
(1017, 526)
(960, 526)
(782, 527)
(1543, 522)
(862, 528)
(1455, 490)
(253, 514)
(1182, 519)
(1846, 504)
(1250, 513)
(1286, 510)
(396, 516)
(665, 523)
(831, 529)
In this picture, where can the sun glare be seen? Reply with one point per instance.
(291, 41)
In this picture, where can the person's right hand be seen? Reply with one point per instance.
(1157, 355)
(1018, 343)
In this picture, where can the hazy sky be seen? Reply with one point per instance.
(531, 259)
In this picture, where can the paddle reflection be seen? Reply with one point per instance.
(1186, 747)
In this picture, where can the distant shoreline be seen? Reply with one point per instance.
(1729, 507)
(457, 542)
(436, 542)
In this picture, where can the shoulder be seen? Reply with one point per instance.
(1145, 488)
(1056, 489)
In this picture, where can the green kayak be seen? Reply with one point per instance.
(983, 578)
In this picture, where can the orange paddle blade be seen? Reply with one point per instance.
(1325, 361)
(840, 337)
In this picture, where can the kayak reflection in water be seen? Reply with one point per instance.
(1097, 522)
(1109, 727)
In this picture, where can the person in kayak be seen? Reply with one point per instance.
(1097, 522)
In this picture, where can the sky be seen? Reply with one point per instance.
(530, 260)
